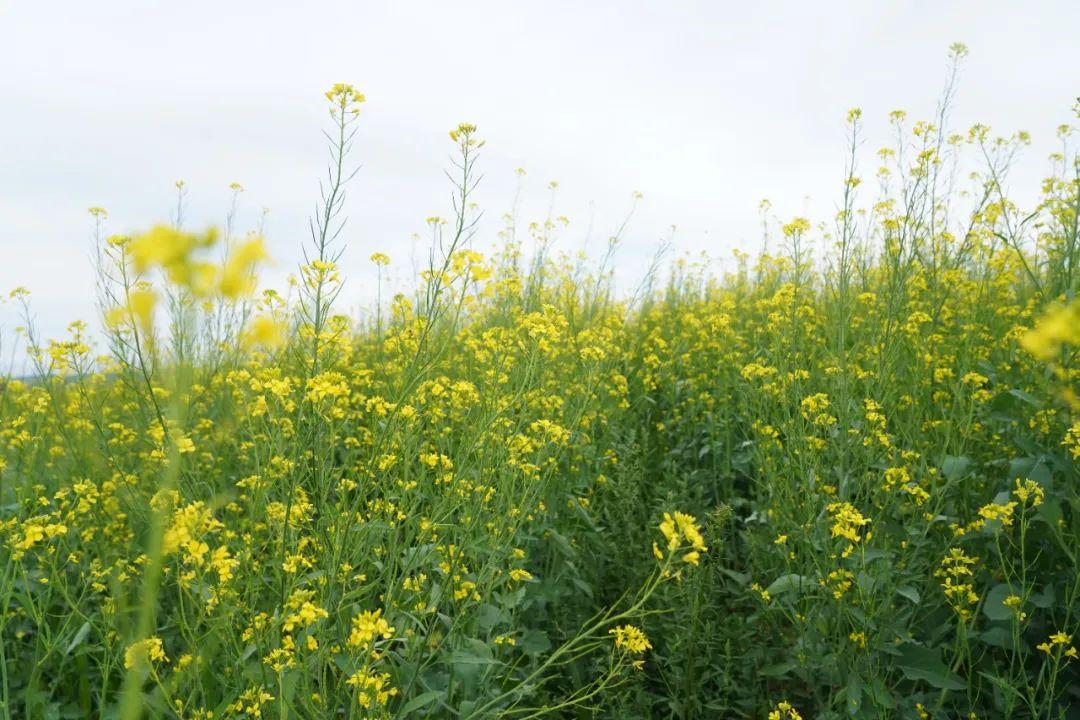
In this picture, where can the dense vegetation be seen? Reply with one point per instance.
(838, 481)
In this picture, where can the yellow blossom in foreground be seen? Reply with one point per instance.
(238, 275)
(630, 638)
(520, 575)
(141, 304)
(265, 332)
(956, 572)
(1015, 602)
(373, 688)
(1059, 326)
(681, 532)
(367, 627)
(168, 248)
(251, 702)
(1058, 645)
(847, 521)
(143, 652)
(1029, 492)
(784, 711)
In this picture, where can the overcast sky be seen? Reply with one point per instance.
(705, 107)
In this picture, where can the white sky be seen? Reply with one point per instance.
(706, 107)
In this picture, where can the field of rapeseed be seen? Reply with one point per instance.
(840, 480)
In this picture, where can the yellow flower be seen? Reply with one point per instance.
(681, 532)
(762, 592)
(1059, 326)
(784, 711)
(1001, 513)
(956, 572)
(1058, 645)
(303, 613)
(462, 132)
(1015, 602)
(238, 275)
(798, 226)
(373, 688)
(367, 627)
(814, 409)
(519, 575)
(144, 652)
(141, 303)
(345, 97)
(847, 521)
(265, 332)
(1029, 491)
(838, 581)
(167, 247)
(1072, 440)
(630, 638)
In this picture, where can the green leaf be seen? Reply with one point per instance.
(287, 684)
(79, 637)
(1045, 599)
(470, 663)
(906, 591)
(998, 636)
(488, 616)
(1026, 397)
(1034, 468)
(741, 578)
(583, 586)
(1002, 684)
(1050, 512)
(873, 554)
(883, 698)
(955, 466)
(535, 642)
(477, 654)
(786, 583)
(853, 695)
(512, 599)
(421, 700)
(921, 663)
(994, 606)
(560, 543)
(778, 670)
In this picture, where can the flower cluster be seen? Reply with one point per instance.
(682, 533)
